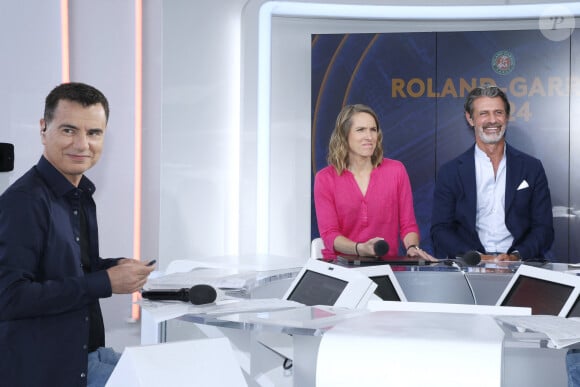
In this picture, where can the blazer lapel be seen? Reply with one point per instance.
(513, 176)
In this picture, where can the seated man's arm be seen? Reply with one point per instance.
(448, 222)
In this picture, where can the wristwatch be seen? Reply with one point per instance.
(410, 247)
(516, 254)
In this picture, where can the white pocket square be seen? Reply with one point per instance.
(524, 184)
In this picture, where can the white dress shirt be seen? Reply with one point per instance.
(490, 210)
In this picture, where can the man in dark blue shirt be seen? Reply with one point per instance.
(51, 274)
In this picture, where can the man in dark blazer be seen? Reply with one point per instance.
(493, 198)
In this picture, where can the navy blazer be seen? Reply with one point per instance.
(528, 211)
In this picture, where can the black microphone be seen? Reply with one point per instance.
(197, 294)
(381, 248)
(471, 258)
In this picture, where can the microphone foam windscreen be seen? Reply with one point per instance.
(381, 248)
(472, 258)
(202, 294)
(6, 157)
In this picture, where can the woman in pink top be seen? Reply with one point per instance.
(362, 197)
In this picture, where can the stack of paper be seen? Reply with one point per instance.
(561, 331)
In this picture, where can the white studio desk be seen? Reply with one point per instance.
(376, 347)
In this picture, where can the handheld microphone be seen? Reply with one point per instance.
(381, 248)
(471, 258)
(197, 294)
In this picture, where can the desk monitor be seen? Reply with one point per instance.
(388, 287)
(545, 291)
(575, 309)
(323, 283)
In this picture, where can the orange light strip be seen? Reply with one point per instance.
(64, 37)
(135, 310)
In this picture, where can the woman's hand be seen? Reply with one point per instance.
(416, 251)
(367, 249)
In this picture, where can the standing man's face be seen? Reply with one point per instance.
(73, 140)
(489, 120)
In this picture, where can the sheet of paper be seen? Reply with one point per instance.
(220, 278)
(561, 331)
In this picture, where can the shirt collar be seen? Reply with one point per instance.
(58, 183)
(482, 155)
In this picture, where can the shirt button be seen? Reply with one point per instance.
(85, 346)
(83, 375)
(77, 238)
(75, 212)
(87, 318)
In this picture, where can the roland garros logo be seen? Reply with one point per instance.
(503, 62)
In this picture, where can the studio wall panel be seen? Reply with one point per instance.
(417, 84)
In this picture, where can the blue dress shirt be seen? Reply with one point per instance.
(45, 296)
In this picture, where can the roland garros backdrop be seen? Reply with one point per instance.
(417, 84)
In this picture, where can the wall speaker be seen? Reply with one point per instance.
(6, 157)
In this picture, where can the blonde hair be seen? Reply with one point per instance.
(338, 145)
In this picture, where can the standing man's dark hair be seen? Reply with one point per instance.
(51, 274)
(82, 93)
